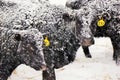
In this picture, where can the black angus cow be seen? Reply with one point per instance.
(108, 13)
(20, 47)
(62, 37)
(111, 29)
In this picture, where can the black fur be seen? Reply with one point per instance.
(111, 29)
(55, 22)
(20, 47)
(111, 16)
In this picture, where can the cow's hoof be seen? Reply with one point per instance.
(88, 56)
(115, 58)
(118, 61)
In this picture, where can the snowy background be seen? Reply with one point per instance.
(100, 67)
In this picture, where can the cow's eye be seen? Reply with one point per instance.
(17, 37)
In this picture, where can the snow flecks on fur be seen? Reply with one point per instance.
(32, 33)
(27, 14)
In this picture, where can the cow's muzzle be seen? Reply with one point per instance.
(87, 42)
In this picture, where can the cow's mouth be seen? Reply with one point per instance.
(87, 42)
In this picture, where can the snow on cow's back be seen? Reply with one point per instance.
(18, 11)
(26, 14)
(29, 13)
(21, 1)
(8, 13)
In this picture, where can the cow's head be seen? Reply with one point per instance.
(83, 21)
(30, 50)
(81, 28)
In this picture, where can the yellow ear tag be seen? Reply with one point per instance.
(46, 42)
(100, 23)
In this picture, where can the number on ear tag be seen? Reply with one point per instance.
(100, 23)
(46, 42)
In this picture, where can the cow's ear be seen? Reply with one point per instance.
(106, 16)
(18, 37)
(68, 17)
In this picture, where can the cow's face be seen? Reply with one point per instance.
(30, 48)
(83, 21)
(81, 29)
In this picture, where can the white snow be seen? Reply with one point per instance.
(100, 67)
(58, 2)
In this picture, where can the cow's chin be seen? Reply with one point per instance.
(43, 67)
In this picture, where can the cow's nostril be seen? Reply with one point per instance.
(43, 67)
(87, 42)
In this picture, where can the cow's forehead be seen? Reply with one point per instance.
(35, 35)
(32, 34)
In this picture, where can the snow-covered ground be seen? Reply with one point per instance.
(100, 67)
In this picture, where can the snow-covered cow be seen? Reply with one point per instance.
(20, 47)
(62, 37)
(103, 17)
(42, 15)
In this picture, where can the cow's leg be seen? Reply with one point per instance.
(116, 51)
(115, 48)
(49, 74)
(114, 54)
(86, 51)
(117, 57)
